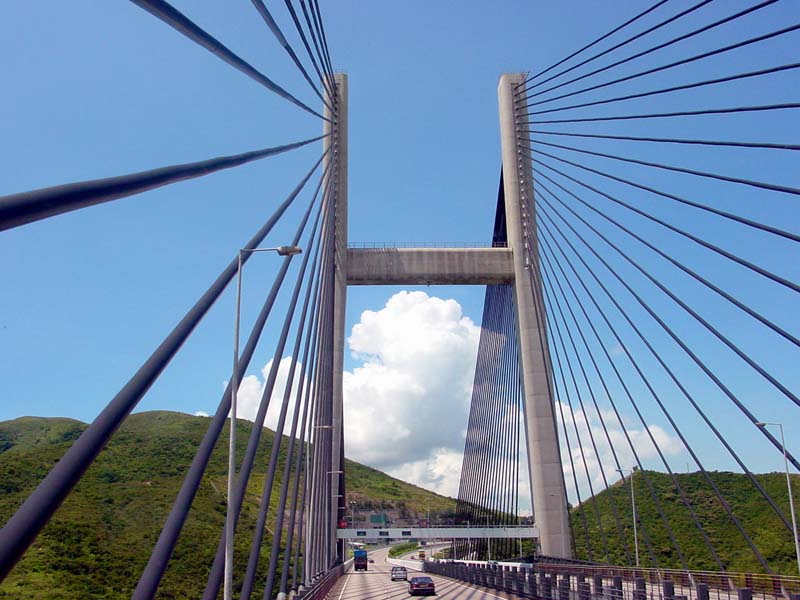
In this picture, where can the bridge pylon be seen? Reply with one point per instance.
(548, 494)
(516, 265)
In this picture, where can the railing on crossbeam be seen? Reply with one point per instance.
(389, 245)
(545, 581)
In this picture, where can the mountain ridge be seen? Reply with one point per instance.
(98, 542)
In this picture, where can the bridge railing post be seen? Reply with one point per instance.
(598, 586)
(584, 592)
(544, 582)
(745, 593)
(702, 591)
(640, 588)
(563, 587)
(616, 588)
(532, 588)
(668, 588)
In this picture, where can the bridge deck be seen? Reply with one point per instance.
(375, 583)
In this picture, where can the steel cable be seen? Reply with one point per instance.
(651, 29)
(21, 529)
(215, 576)
(27, 207)
(162, 551)
(749, 182)
(547, 269)
(276, 31)
(552, 298)
(680, 342)
(675, 88)
(630, 138)
(181, 23)
(679, 113)
(323, 77)
(696, 276)
(266, 494)
(592, 497)
(702, 414)
(589, 45)
(710, 209)
(655, 396)
(650, 488)
(683, 37)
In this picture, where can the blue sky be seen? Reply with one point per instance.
(94, 89)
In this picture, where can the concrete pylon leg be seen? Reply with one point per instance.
(338, 141)
(544, 460)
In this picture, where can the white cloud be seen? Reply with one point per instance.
(251, 390)
(639, 438)
(440, 473)
(407, 404)
(200, 413)
(406, 407)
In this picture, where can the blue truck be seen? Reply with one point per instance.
(360, 560)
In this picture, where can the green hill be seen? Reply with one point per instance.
(759, 521)
(98, 542)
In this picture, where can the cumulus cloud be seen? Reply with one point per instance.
(251, 391)
(406, 406)
(407, 403)
(590, 427)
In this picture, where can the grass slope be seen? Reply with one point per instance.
(98, 542)
(769, 535)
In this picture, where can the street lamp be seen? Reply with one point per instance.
(789, 486)
(229, 518)
(633, 507)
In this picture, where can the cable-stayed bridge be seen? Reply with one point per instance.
(641, 268)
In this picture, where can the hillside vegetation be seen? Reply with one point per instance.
(768, 533)
(99, 541)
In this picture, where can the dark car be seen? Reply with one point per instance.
(399, 574)
(421, 586)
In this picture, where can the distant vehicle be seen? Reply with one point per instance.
(423, 542)
(371, 560)
(421, 586)
(422, 554)
(360, 560)
(399, 574)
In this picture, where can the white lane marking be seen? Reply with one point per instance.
(346, 581)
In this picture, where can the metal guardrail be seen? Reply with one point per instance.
(390, 245)
(579, 582)
(720, 585)
(320, 588)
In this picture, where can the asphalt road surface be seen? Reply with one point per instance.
(375, 584)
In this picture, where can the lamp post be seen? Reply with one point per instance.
(789, 486)
(227, 592)
(633, 508)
